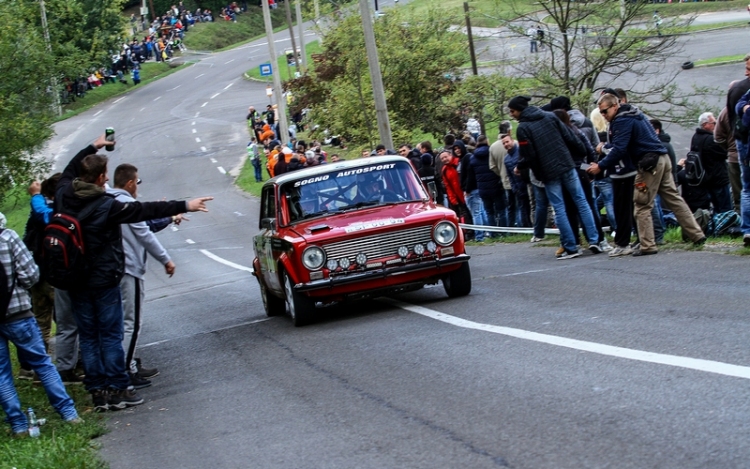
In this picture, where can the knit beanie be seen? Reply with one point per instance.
(561, 102)
(519, 103)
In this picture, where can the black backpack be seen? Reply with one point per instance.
(5, 294)
(694, 172)
(63, 251)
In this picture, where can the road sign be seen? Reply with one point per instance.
(266, 70)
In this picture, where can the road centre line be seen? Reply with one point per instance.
(217, 94)
(199, 76)
(221, 260)
(118, 100)
(213, 160)
(97, 113)
(222, 170)
(204, 104)
(203, 149)
(194, 131)
(229, 62)
(172, 89)
(698, 364)
(157, 98)
(192, 123)
(197, 140)
(228, 86)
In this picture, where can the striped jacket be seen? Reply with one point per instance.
(17, 261)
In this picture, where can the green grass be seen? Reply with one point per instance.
(150, 71)
(722, 59)
(222, 34)
(281, 64)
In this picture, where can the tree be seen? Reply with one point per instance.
(593, 44)
(419, 56)
(25, 97)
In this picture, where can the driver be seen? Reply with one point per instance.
(368, 187)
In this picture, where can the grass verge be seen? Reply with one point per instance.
(221, 34)
(722, 59)
(150, 71)
(283, 67)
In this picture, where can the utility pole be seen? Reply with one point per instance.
(300, 28)
(278, 91)
(291, 36)
(381, 109)
(471, 40)
(56, 107)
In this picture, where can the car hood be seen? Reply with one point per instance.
(371, 220)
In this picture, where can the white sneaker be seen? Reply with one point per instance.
(534, 239)
(621, 251)
(604, 246)
(569, 255)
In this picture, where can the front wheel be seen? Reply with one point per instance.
(301, 308)
(458, 282)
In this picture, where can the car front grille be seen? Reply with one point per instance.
(379, 246)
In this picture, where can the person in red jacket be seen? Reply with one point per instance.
(452, 183)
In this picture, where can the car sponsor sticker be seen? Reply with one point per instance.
(366, 169)
(373, 224)
(303, 182)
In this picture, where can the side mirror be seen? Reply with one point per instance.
(433, 191)
(268, 224)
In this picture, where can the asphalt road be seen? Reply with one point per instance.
(588, 363)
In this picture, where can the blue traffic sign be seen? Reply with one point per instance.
(266, 70)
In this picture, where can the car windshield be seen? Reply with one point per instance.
(351, 189)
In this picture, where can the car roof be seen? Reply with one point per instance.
(327, 168)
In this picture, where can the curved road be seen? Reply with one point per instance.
(626, 363)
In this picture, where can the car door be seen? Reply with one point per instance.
(267, 238)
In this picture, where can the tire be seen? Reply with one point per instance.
(687, 65)
(458, 282)
(273, 305)
(301, 308)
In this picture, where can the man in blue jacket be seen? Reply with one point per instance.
(640, 168)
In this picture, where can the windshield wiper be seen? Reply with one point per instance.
(317, 214)
(369, 203)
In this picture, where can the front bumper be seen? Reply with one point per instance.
(385, 272)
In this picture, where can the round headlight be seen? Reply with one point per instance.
(445, 233)
(403, 251)
(332, 264)
(313, 258)
(361, 258)
(431, 246)
(419, 249)
(344, 262)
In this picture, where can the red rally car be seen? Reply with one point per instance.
(351, 230)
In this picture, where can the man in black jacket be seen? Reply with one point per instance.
(97, 304)
(714, 160)
(546, 144)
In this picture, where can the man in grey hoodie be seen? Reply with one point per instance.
(138, 240)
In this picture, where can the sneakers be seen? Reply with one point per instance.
(147, 373)
(621, 251)
(560, 251)
(70, 377)
(702, 241)
(138, 381)
(569, 255)
(100, 398)
(26, 374)
(534, 239)
(746, 240)
(640, 252)
(122, 398)
(595, 249)
(604, 246)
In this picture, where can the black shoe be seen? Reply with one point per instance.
(147, 373)
(100, 398)
(138, 381)
(700, 242)
(639, 252)
(122, 398)
(70, 377)
(746, 240)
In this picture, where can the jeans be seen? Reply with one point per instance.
(25, 335)
(570, 208)
(657, 217)
(478, 215)
(570, 183)
(742, 149)
(495, 207)
(522, 207)
(99, 316)
(512, 208)
(604, 186)
(721, 199)
(540, 211)
(257, 168)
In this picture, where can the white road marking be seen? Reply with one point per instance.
(221, 260)
(708, 366)
(159, 342)
(190, 241)
(203, 149)
(229, 62)
(132, 119)
(228, 86)
(213, 160)
(199, 76)
(204, 104)
(217, 94)
(192, 123)
(197, 114)
(172, 89)
(222, 170)
(198, 140)
(239, 214)
(174, 228)
(195, 131)
(142, 109)
(118, 100)
(157, 98)
(97, 113)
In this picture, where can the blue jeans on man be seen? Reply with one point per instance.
(27, 338)
(99, 316)
(478, 214)
(742, 153)
(496, 208)
(607, 198)
(541, 207)
(570, 183)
